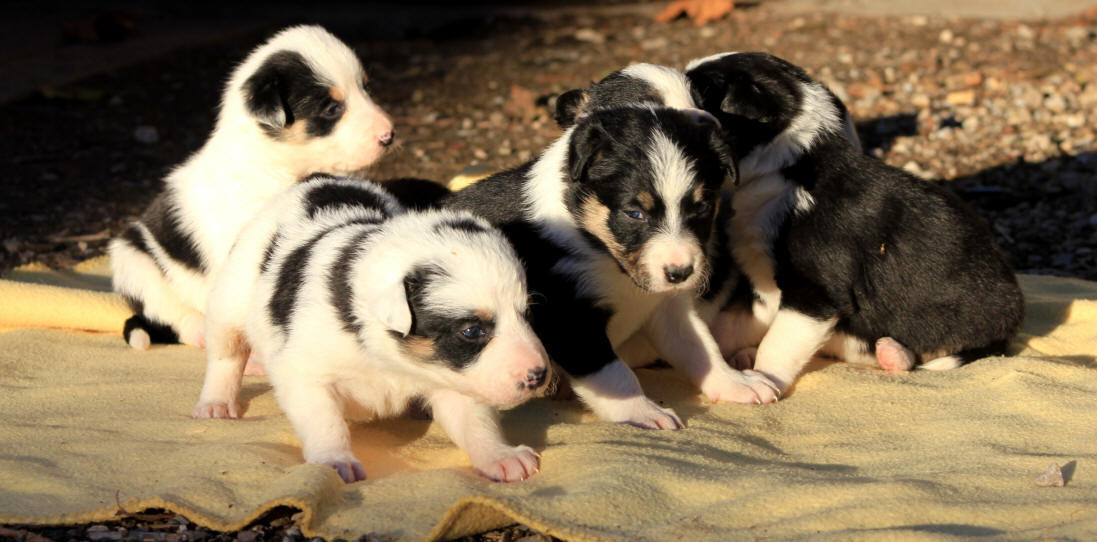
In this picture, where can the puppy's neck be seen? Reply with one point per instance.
(544, 193)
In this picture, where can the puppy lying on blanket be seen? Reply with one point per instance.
(846, 254)
(612, 221)
(358, 307)
(297, 105)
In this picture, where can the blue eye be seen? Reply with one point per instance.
(333, 111)
(473, 333)
(701, 208)
(636, 215)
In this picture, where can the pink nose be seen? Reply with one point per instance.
(386, 138)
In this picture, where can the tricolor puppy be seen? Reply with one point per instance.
(612, 222)
(297, 105)
(845, 253)
(358, 307)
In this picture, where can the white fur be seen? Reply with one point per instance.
(322, 373)
(792, 339)
(817, 116)
(671, 84)
(614, 394)
(241, 167)
(698, 61)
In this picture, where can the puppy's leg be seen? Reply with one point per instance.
(737, 329)
(317, 418)
(789, 344)
(137, 277)
(614, 394)
(474, 427)
(685, 342)
(226, 355)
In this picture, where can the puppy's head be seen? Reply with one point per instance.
(767, 106)
(306, 90)
(638, 84)
(642, 186)
(459, 309)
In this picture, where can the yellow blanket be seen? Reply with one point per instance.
(90, 427)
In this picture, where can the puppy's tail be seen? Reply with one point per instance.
(140, 332)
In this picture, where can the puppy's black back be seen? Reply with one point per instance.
(902, 257)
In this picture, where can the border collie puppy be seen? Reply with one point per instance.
(612, 222)
(841, 247)
(295, 106)
(358, 307)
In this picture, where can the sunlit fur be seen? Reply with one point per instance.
(163, 263)
(342, 301)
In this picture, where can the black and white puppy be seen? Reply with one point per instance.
(358, 307)
(296, 105)
(612, 222)
(637, 85)
(846, 254)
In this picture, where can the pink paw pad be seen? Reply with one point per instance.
(893, 356)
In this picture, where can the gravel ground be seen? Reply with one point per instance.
(1003, 112)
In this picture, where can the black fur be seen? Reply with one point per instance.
(615, 90)
(457, 339)
(339, 286)
(163, 222)
(158, 333)
(605, 161)
(291, 276)
(285, 90)
(418, 194)
(333, 196)
(465, 225)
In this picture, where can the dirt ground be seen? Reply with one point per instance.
(1002, 111)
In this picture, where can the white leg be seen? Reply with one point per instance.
(317, 418)
(226, 355)
(474, 427)
(789, 344)
(614, 394)
(685, 342)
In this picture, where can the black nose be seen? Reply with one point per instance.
(387, 138)
(677, 273)
(535, 377)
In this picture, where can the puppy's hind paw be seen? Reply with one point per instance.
(512, 464)
(216, 409)
(350, 471)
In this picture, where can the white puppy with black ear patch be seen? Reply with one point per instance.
(297, 105)
(358, 308)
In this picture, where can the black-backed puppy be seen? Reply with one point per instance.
(845, 253)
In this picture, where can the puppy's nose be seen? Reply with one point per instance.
(387, 138)
(535, 378)
(677, 273)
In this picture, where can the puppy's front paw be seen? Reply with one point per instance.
(645, 414)
(763, 387)
(348, 467)
(512, 464)
(216, 409)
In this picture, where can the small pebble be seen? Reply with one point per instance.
(1052, 477)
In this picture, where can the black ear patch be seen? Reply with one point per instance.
(569, 105)
(285, 90)
(587, 142)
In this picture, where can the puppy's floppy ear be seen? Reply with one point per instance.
(389, 304)
(267, 93)
(588, 140)
(569, 106)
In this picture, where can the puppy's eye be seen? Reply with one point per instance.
(333, 111)
(473, 333)
(701, 207)
(636, 214)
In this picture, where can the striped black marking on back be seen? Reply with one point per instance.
(264, 266)
(163, 222)
(290, 278)
(333, 196)
(465, 224)
(339, 286)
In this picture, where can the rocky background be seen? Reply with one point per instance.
(1002, 111)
